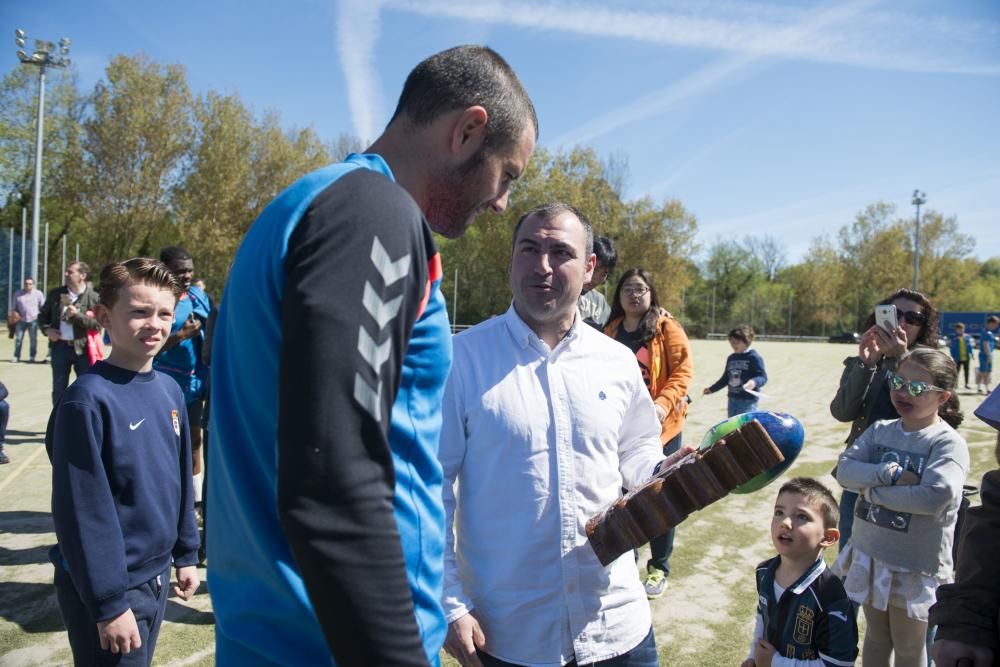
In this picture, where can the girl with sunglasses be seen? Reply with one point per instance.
(663, 352)
(863, 395)
(909, 474)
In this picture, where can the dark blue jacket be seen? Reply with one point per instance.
(740, 368)
(813, 620)
(122, 497)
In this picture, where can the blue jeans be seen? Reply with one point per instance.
(64, 358)
(847, 500)
(32, 329)
(643, 655)
(148, 603)
(660, 548)
(738, 406)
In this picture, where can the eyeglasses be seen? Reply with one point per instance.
(913, 387)
(914, 318)
(634, 291)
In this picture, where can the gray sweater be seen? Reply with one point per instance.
(907, 526)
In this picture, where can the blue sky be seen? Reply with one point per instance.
(781, 118)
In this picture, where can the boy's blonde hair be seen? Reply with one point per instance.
(816, 494)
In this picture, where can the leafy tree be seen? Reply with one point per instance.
(136, 141)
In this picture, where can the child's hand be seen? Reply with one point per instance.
(706, 391)
(762, 653)
(187, 582)
(908, 478)
(748, 663)
(120, 634)
(749, 385)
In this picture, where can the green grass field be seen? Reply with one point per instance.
(704, 619)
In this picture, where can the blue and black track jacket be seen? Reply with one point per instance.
(814, 619)
(329, 359)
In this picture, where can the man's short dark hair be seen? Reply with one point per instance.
(993, 318)
(136, 271)
(607, 254)
(816, 494)
(548, 212)
(465, 76)
(173, 253)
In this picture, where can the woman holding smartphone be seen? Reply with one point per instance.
(863, 395)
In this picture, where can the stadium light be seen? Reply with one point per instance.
(919, 198)
(44, 55)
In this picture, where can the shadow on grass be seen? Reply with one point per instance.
(26, 522)
(180, 613)
(29, 556)
(31, 606)
(14, 437)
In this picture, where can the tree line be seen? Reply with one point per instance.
(141, 162)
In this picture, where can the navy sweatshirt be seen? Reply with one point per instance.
(741, 367)
(122, 497)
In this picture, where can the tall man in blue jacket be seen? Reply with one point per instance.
(328, 363)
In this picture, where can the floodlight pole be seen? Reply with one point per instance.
(918, 199)
(43, 56)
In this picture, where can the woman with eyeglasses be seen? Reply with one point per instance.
(663, 352)
(864, 396)
(909, 474)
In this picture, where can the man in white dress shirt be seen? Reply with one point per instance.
(545, 420)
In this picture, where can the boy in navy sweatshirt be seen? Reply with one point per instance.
(744, 374)
(121, 479)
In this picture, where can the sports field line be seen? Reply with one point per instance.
(193, 659)
(17, 471)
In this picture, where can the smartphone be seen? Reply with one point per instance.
(885, 317)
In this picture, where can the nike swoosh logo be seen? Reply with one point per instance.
(136, 425)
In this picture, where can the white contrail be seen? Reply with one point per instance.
(357, 29)
(883, 40)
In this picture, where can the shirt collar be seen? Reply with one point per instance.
(523, 335)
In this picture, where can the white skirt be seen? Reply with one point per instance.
(870, 581)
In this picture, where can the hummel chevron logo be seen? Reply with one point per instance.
(369, 399)
(373, 353)
(382, 311)
(136, 425)
(389, 270)
(839, 614)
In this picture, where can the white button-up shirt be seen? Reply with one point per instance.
(539, 441)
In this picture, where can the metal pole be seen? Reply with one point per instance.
(916, 250)
(36, 208)
(682, 304)
(64, 256)
(78, 252)
(24, 227)
(713, 309)
(45, 263)
(10, 268)
(454, 303)
(789, 313)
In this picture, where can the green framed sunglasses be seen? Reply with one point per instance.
(913, 387)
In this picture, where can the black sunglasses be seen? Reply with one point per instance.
(914, 318)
